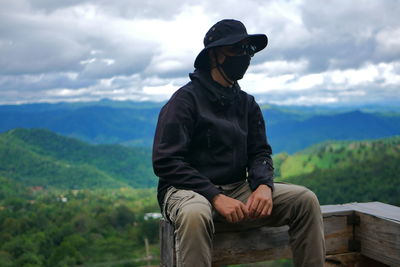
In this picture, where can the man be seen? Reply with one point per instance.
(214, 162)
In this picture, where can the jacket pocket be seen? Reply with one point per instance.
(176, 199)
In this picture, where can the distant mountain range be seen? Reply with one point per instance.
(289, 129)
(294, 134)
(43, 158)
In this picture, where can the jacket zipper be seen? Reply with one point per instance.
(208, 138)
(235, 130)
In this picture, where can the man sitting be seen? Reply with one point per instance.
(214, 162)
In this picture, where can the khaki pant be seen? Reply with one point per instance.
(196, 221)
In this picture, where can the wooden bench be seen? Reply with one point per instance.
(367, 233)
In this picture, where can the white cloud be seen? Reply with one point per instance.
(306, 101)
(370, 82)
(87, 61)
(278, 67)
(318, 52)
(65, 92)
(166, 90)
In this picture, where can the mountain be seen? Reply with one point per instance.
(37, 157)
(130, 123)
(94, 124)
(340, 172)
(294, 134)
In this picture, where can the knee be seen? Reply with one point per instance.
(309, 197)
(195, 215)
(309, 201)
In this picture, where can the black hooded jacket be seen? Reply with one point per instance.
(209, 135)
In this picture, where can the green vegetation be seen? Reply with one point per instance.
(340, 172)
(66, 203)
(75, 227)
(42, 158)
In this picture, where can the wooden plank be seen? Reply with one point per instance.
(340, 209)
(167, 244)
(380, 238)
(379, 235)
(378, 209)
(249, 246)
(351, 259)
(266, 243)
(337, 233)
(271, 243)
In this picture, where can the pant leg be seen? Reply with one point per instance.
(295, 206)
(191, 215)
(298, 207)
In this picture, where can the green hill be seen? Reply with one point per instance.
(341, 172)
(38, 157)
(337, 171)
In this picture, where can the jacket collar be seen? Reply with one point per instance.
(223, 96)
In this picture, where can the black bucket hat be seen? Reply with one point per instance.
(227, 32)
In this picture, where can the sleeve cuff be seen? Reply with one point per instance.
(269, 183)
(211, 193)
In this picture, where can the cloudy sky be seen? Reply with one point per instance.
(319, 52)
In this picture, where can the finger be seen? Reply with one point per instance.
(234, 217)
(270, 208)
(260, 207)
(254, 208)
(245, 210)
(249, 202)
(264, 211)
(229, 218)
(239, 213)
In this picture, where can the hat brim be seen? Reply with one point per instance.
(260, 41)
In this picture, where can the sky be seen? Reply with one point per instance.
(319, 52)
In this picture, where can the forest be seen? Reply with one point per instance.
(97, 227)
(48, 217)
(346, 171)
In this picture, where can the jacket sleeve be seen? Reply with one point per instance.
(260, 165)
(171, 147)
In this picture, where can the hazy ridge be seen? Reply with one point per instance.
(289, 129)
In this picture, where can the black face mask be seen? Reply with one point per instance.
(235, 66)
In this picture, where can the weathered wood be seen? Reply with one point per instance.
(379, 230)
(337, 232)
(167, 241)
(266, 243)
(379, 236)
(380, 239)
(353, 259)
(251, 246)
(340, 209)
(378, 209)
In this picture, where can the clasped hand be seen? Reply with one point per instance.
(258, 205)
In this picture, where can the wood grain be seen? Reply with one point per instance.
(378, 232)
